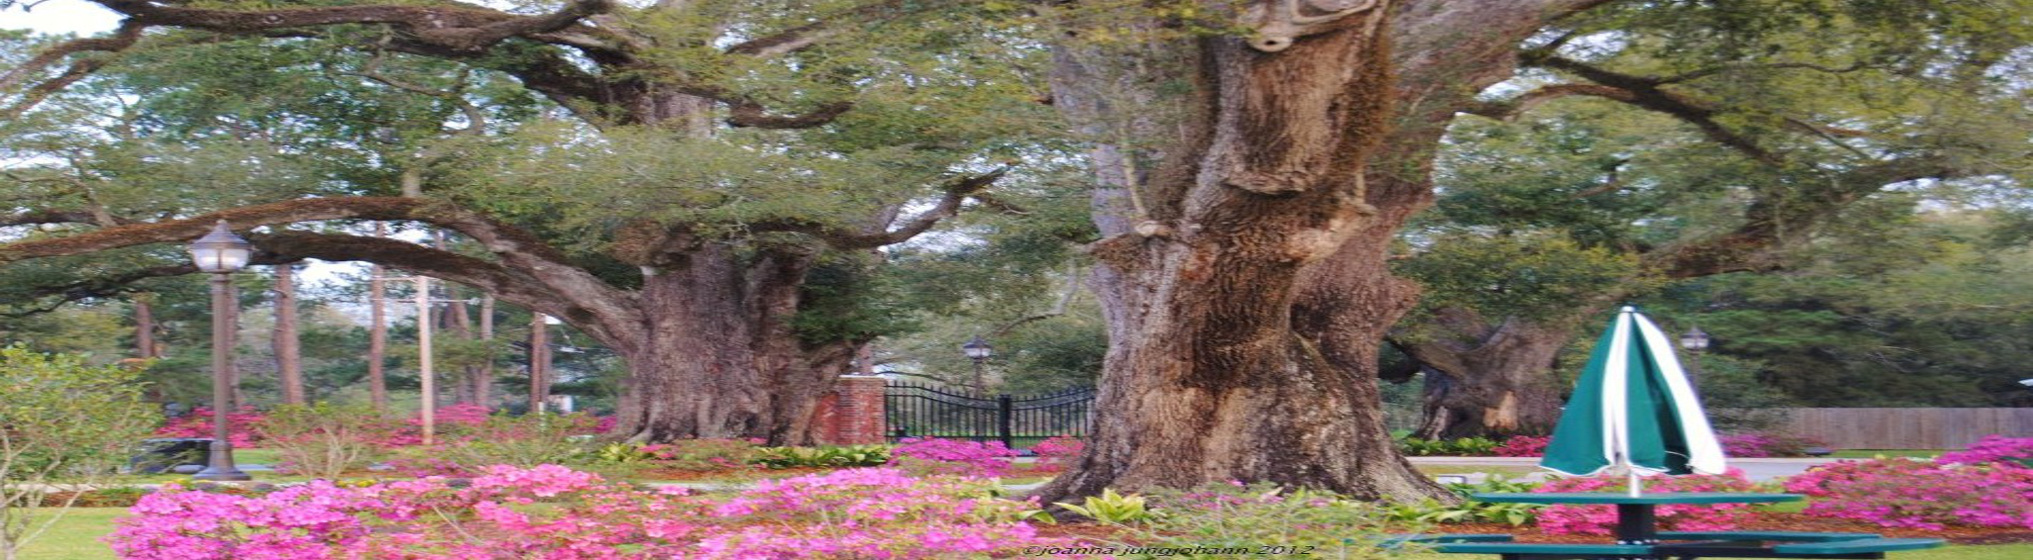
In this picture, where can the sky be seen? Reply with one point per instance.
(60, 16)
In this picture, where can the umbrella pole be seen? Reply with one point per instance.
(1637, 484)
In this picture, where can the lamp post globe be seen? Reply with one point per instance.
(221, 253)
(1694, 339)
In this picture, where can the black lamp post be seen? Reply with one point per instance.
(221, 253)
(979, 351)
(1694, 340)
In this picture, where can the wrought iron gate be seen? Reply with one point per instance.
(912, 410)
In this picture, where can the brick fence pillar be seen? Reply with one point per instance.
(852, 413)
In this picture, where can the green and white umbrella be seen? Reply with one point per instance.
(1633, 409)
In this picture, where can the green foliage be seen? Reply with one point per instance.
(63, 424)
(850, 298)
(1111, 508)
(1526, 276)
(1464, 510)
(870, 455)
(325, 440)
(522, 441)
(1250, 517)
(1470, 446)
(624, 453)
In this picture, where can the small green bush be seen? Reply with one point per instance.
(1431, 511)
(325, 440)
(64, 425)
(1472, 446)
(833, 456)
(1264, 520)
(523, 441)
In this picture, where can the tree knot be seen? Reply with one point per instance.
(1278, 22)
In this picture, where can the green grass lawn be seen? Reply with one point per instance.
(76, 536)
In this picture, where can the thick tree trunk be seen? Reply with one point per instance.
(718, 357)
(288, 347)
(1206, 379)
(1488, 381)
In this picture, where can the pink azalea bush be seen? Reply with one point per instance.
(952, 457)
(1994, 448)
(198, 424)
(1757, 444)
(1057, 451)
(1601, 519)
(1523, 446)
(1908, 492)
(447, 419)
(552, 512)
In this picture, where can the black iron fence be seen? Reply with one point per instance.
(912, 410)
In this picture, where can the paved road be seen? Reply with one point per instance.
(1756, 469)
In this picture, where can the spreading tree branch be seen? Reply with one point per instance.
(1647, 93)
(957, 192)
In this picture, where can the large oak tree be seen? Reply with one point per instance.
(719, 154)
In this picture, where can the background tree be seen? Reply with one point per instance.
(718, 157)
(68, 425)
(1749, 151)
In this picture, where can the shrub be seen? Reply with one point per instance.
(1292, 522)
(1759, 444)
(325, 440)
(1994, 449)
(64, 426)
(1056, 452)
(830, 456)
(1470, 511)
(1907, 492)
(1470, 446)
(445, 420)
(554, 512)
(953, 457)
(522, 441)
(198, 424)
(1523, 446)
(1601, 519)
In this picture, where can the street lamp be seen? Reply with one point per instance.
(221, 253)
(979, 351)
(1694, 340)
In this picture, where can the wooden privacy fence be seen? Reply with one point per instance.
(1904, 428)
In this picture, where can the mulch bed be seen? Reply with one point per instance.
(1771, 521)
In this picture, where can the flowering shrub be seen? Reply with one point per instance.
(952, 456)
(1601, 519)
(1907, 492)
(552, 512)
(447, 419)
(198, 424)
(1994, 448)
(1756, 444)
(324, 440)
(1235, 516)
(1057, 451)
(1523, 446)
